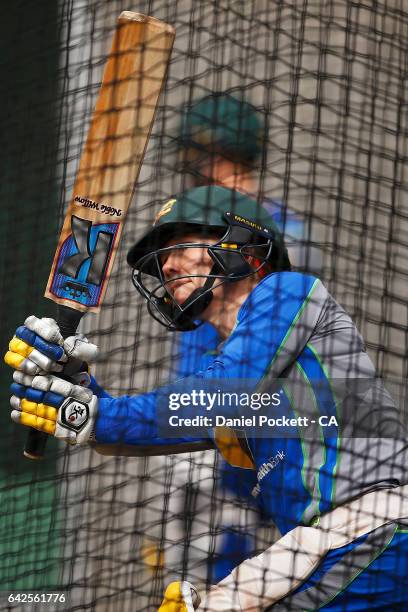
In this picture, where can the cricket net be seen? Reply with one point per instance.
(327, 79)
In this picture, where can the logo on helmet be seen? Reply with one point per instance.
(165, 210)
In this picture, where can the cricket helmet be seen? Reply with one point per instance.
(245, 233)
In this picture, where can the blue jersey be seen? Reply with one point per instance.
(291, 327)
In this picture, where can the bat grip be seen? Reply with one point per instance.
(68, 320)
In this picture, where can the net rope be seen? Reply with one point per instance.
(328, 81)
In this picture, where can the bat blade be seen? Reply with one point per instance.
(109, 167)
(110, 162)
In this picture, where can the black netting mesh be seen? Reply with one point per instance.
(327, 83)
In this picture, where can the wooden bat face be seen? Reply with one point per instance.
(110, 162)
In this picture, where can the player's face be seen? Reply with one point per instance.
(192, 264)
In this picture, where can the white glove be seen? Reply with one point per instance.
(38, 347)
(54, 406)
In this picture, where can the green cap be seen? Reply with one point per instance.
(203, 209)
(221, 123)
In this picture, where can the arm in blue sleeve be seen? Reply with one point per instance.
(132, 420)
(127, 420)
(97, 389)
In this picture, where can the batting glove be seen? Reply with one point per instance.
(38, 347)
(54, 406)
(180, 597)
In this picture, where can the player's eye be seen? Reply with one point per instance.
(163, 258)
(176, 252)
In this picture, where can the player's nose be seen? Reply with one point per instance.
(172, 265)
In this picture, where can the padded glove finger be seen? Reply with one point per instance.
(28, 359)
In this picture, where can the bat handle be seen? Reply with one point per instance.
(68, 320)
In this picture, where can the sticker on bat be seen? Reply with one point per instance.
(83, 260)
(103, 208)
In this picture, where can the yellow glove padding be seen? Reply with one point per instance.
(180, 597)
(54, 405)
(26, 358)
(39, 416)
(38, 347)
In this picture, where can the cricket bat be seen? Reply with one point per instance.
(111, 159)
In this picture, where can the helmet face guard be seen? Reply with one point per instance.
(242, 242)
